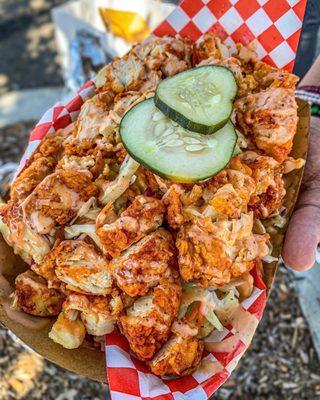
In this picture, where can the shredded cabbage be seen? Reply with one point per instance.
(117, 187)
(209, 302)
(77, 230)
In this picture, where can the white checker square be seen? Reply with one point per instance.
(233, 2)
(262, 2)
(178, 19)
(151, 386)
(123, 396)
(31, 148)
(205, 1)
(288, 24)
(231, 20)
(292, 3)
(217, 336)
(118, 358)
(201, 374)
(261, 51)
(204, 19)
(197, 393)
(259, 22)
(231, 43)
(282, 55)
(234, 362)
(255, 294)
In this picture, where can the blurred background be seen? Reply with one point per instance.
(41, 53)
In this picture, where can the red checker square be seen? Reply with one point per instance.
(56, 112)
(219, 7)
(300, 9)
(74, 104)
(116, 339)
(40, 131)
(246, 8)
(86, 85)
(258, 306)
(293, 40)
(191, 7)
(140, 365)
(211, 385)
(271, 38)
(276, 9)
(167, 396)
(191, 31)
(243, 35)
(255, 272)
(62, 122)
(289, 67)
(182, 384)
(219, 30)
(226, 357)
(165, 29)
(124, 380)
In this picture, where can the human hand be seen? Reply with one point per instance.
(303, 235)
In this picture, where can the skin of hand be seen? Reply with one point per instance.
(303, 235)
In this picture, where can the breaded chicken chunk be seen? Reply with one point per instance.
(270, 116)
(98, 313)
(82, 268)
(270, 190)
(144, 215)
(57, 199)
(30, 178)
(68, 330)
(181, 355)
(147, 323)
(33, 296)
(144, 264)
(26, 242)
(212, 253)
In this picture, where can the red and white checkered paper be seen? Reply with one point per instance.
(276, 27)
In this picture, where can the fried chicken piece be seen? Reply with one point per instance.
(167, 54)
(30, 177)
(270, 190)
(125, 74)
(94, 127)
(181, 355)
(47, 268)
(68, 330)
(82, 268)
(144, 264)
(144, 215)
(212, 253)
(146, 324)
(268, 76)
(34, 297)
(27, 243)
(210, 47)
(98, 313)
(270, 116)
(57, 199)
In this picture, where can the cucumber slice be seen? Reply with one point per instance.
(200, 99)
(171, 151)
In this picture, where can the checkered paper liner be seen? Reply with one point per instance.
(276, 27)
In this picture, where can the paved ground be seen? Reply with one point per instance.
(281, 363)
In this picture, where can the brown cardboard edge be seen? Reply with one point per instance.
(292, 184)
(90, 363)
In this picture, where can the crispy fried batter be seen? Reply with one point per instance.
(82, 268)
(98, 313)
(180, 356)
(57, 199)
(270, 116)
(143, 216)
(146, 324)
(68, 330)
(34, 297)
(30, 177)
(214, 253)
(144, 264)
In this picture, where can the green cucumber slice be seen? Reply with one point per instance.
(200, 99)
(171, 151)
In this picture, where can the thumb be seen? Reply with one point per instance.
(302, 238)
